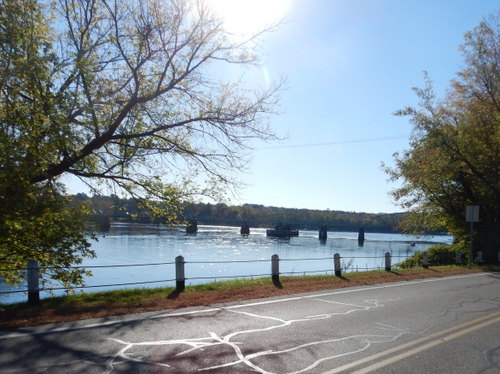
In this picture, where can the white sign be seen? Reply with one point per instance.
(472, 213)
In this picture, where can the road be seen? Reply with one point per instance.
(437, 325)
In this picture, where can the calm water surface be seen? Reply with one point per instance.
(140, 244)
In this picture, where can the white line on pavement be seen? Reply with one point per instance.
(435, 339)
(20, 334)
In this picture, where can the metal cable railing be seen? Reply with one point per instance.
(180, 262)
(93, 286)
(224, 261)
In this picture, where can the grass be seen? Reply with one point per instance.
(102, 304)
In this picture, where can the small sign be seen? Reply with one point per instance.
(472, 213)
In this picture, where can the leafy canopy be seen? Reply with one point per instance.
(123, 95)
(454, 155)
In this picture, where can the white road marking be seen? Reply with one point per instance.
(233, 348)
(21, 334)
(436, 339)
(364, 341)
(337, 302)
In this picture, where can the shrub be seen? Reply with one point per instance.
(439, 254)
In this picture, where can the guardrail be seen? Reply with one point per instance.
(33, 272)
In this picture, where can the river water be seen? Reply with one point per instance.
(209, 253)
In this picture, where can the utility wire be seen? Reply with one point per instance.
(304, 145)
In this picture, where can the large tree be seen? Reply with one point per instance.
(122, 94)
(454, 155)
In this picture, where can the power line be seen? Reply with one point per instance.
(303, 145)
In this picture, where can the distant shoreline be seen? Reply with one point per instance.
(351, 229)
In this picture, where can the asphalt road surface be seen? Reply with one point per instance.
(439, 325)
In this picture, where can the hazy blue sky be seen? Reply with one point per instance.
(349, 65)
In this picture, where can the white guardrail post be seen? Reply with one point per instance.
(180, 279)
(479, 258)
(425, 260)
(33, 282)
(336, 265)
(33, 271)
(387, 261)
(275, 268)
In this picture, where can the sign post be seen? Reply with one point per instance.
(472, 215)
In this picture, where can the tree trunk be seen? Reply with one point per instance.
(487, 239)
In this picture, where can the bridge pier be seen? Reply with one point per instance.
(323, 233)
(361, 236)
(245, 229)
(192, 227)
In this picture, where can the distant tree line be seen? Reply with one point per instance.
(268, 216)
(107, 209)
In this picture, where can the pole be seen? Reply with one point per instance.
(425, 260)
(479, 258)
(180, 279)
(275, 268)
(33, 282)
(387, 261)
(471, 238)
(336, 263)
(472, 215)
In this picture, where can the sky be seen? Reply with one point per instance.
(349, 65)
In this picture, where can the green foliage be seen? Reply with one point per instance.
(266, 216)
(114, 208)
(117, 94)
(454, 155)
(43, 226)
(36, 222)
(440, 254)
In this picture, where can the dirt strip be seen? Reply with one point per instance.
(28, 316)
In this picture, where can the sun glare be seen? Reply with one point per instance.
(245, 17)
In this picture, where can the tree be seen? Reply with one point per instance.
(454, 156)
(121, 94)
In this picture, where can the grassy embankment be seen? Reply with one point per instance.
(102, 304)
